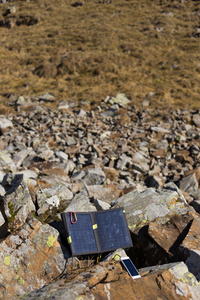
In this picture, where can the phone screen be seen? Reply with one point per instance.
(130, 267)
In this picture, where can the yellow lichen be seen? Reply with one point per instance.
(21, 281)
(132, 226)
(7, 260)
(51, 240)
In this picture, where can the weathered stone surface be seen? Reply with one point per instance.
(5, 125)
(190, 182)
(2, 174)
(80, 203)
(29, 176)
(191, 245)
(20, 156)
(94, 176)
(52, 200)
(173, 187)
(101, 205)
(109, 281)
(62, 156)
(119, 99)
(18, 205)
(196, 120)
(106, 193)
(2, 220)
(149, 205)
(47, 97)
(30, 258)
(63, 105)
(123, 161)
(2, 190)
(6, 163)
(169, 234)
(117, 153)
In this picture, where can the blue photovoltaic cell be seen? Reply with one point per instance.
(113, 230)
(82, 234)
(97, 232)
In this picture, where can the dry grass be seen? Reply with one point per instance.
(94, 50)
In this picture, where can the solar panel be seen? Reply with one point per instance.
(97, 232)
(82, 234)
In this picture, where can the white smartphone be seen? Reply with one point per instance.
(128, 264)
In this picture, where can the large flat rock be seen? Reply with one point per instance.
(29, 259)
(149, 205)
(108, 280)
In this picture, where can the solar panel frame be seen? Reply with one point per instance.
(94, 229)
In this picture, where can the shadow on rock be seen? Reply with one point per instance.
(11, 182)
(192, 261)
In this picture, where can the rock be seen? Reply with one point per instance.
(70, 141)
(191, 241)
(106, 193)
(185, 283)
(20, 156)
(123, 161)
(168, 233)
(109, 281)
(29, 176)
(63, 105)
(149, 205)
(2, 174)
(196, 120)
(45, 153)
(189, 182)
(62, 156)
(69, 167)
(5, 125)
(101, 205)
(52, 200)
(47, 97)
(154, 181)
(193, 263)
(80, 203)
(141, 162)
(115, 255)
(78, 175)
(180, 271)
(74, 160)
(94, 176)
(120, 99)
(111, 112)
(159, 129)
(81, 113)
(2, 191)
(11, 10)
(6, 163)
(18, 205)
(2, 220)
(173, 187)
(30, 259)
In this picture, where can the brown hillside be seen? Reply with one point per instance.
(87, 50)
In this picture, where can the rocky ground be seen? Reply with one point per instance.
(68, 159)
